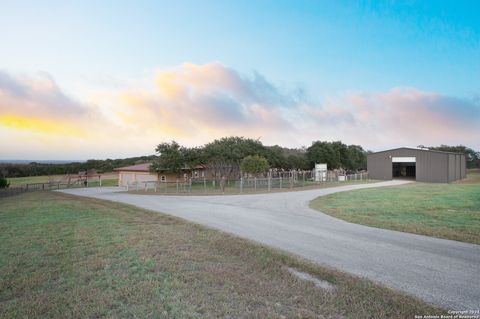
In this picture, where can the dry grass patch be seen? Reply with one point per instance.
(69, 257)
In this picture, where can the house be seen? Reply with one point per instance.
(140, 173)
(422, 165)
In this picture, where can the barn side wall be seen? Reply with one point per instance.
(451, 167)
(379, 166)
(432, 167)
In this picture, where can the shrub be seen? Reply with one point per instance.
(4, 183)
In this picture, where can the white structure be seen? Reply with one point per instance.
(320, 172)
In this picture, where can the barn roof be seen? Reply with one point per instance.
(416, 149)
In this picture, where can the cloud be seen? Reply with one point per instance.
(38, 104)
(202, 102)
(194, 104)
(401, 116)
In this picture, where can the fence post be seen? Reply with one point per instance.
(155, 187)
(146, 186)
(281, 182)
(269, 183)
(241, 184)
(190, 189)
(204, 186)
(177, 185)
(100, 180)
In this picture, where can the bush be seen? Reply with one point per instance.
(4, 183)
(254, 164)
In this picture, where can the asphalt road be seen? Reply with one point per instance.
(439, 271)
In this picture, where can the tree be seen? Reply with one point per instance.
(223, 156)
(3, 182)
(275, 156)
(337, 155)
(254, 164)
(170, 157)
(323, 152)
(297, 161)
(357, 157)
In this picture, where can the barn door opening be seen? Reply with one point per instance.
(404, 168)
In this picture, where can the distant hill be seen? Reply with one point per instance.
(22, 168)
(15, 161)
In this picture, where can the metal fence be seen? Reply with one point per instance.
(243, 185)
(30, 187)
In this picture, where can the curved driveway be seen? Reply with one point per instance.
(439, 271)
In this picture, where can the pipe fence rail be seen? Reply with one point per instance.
(30, 187)
(276, 181)
(243, 185)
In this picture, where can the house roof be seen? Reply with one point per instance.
(417, 149)
(145, 167)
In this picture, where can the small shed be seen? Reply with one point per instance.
(421, 165)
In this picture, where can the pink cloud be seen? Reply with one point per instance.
(197, 103)
(402, 116)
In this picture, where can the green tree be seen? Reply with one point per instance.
(357, 157)
(223, 156)
(297, 161)
(254, 164)
(323, 152)
(170, 157)
(337, 155)
(3, 182)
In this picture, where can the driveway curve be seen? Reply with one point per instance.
(439, 271)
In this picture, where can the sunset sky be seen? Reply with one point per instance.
(109, 79)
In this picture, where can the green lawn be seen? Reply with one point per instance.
(34, 179)
(109, 180)
(449, 211)
(70, 257)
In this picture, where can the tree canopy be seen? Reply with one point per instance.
(254, 164)
(171, 157)
(337, 155)
(224, 156)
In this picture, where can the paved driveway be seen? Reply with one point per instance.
(442, 272)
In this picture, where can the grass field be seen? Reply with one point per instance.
(107, 180)
(71, 257)
(449, 211)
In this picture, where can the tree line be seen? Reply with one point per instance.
(224, 157)
(37, 169)
(228, 156)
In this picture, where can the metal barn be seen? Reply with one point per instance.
(416, 164)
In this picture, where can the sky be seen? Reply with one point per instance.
(112, 79)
